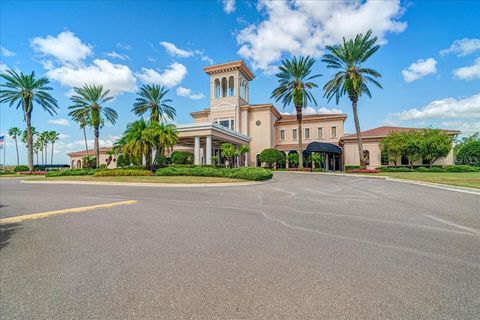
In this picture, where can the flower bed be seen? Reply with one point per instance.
(34, 173)
(364, 171)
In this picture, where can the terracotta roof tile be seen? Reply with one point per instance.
(385, 130)
(90, 152)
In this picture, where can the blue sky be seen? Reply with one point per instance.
(429, 59)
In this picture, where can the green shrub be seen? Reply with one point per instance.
(182, 157)
(350, 167)
(245, 173)
(461, 168)
(7, 172)
(394, 169)
(272, 157)
(71, 172)
(433, 169)
(122, 172)
(21, 167)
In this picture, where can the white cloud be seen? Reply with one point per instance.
(449, 108)
(466, 126)
(117, 78)
(419, 69)
(170, 77)
(124, 46)
(60, 122)
(470, 72)
(228, 6)
(322, 110)
(3, 67)
(65, 47)
(116, 55)
(186, 92)
(174, 51)
(305, 27)
(462, 47)
(203, 56)
(5, 52)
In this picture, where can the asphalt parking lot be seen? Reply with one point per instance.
(300, 247)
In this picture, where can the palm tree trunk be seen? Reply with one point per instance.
(85, 138)
(46, 154)
(28, 119)
(300, 136)
(359, 132)
(97, 147)
(51, 158)
(16, 147)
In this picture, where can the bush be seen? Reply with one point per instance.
(254, 174)
(394, 169)
(272, 157)
(182, 157)
(21, 168)
(461, 168)
(71, 172)
(350, 167)
(36, 173)
(121, 173)
(364, 171)
(7, 172)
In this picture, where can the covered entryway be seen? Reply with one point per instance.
(332, 155)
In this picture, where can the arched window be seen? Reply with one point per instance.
(366, 157)
(224, 87)
(231, 86)
(217, 88)
(242, 89)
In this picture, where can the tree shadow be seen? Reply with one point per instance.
(6, 232)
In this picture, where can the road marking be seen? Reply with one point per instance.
(453, 224)
(47, 214)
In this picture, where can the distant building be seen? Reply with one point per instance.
(77, 162)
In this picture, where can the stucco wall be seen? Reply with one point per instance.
(103, 158)
(313, 125)
(262, 135)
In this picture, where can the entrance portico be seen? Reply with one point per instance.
(206, 138)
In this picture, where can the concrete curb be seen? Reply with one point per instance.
(146, 184)
(418, 183)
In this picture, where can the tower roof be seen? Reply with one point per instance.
(230, 66)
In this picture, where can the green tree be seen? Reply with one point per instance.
(162, 136)
(467, 151)
(272, 157)
(435, 144)
(392, 145)
(83, 122)
(44, 138)
(23, 90)
(135, 143)
(295, 83)
(241, 152)
(412, 147)
(352, 78)
(14, 133)
(37, 146)
(182, 157)
(293, 159)
(88, 103)
(53, 137)
(228, 151)
(316, 159)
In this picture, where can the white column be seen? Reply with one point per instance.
(326, 162)
(208, 150)
(246, 159)
(286, 159)
(196, 152)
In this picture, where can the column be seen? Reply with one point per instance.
(237, 158)
(246, 159)
(208, 151)
(326, 161)
(286, 159)
(196, 152)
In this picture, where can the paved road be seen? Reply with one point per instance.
(301, 247)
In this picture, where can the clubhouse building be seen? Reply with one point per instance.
(231, 118)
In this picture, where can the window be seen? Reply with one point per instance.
(294, 134)
(243, 89)
(224, 87)
(334, 132)
(307, 133)
(231, 86)
(217, 88)
(320, 133)
(225, 122)
(282, 134)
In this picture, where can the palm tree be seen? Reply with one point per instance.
(352, 78)
(135, 143)
(228, 151)
(23, 90)
(163, 136)
(242, 150)
(294, 86)
(38, 146)
(53, 137)
(82, 122)
(14, 133)
(44, 138)
(151, 99)
(88, 103)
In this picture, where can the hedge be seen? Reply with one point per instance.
(71, 172)
(21, 168)
(122, 172)
(453, 168)
(182, 157)
(253, 174)
(7, 172)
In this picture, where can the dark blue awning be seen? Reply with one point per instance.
(323, 147)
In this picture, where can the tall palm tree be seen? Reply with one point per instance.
(83, 122)
(23, 90)
(352, 78)
(295, 83)
(53, 137)
(135, 143)
(38, 146)
(88, 103)
(14, 133)
(151, 99)
(44, 138)
(162, 136)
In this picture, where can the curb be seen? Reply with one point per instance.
(146, 184)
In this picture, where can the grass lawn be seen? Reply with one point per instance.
(143, 179)
(461, 179)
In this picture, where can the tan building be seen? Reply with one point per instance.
(77, 162)
(231, 118)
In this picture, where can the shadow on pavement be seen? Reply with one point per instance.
(6, 232)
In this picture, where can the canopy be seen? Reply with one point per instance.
(323, 147)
